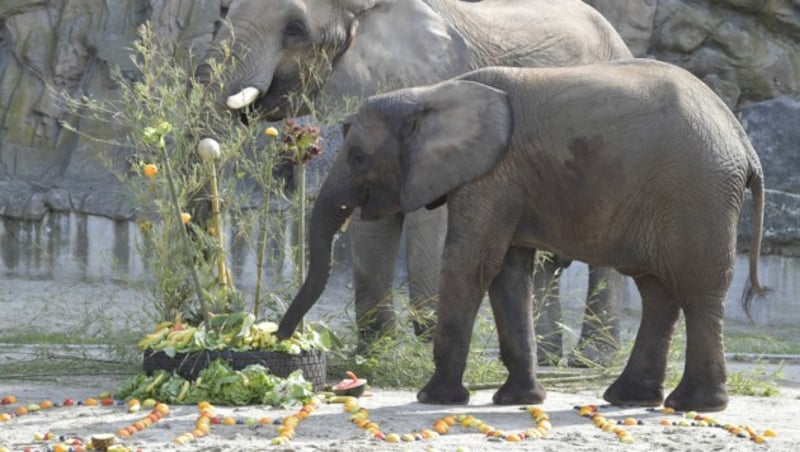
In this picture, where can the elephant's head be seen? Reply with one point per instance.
(275, 43)
(402, 151)
(285, 47)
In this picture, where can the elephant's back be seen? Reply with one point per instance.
(567, 33)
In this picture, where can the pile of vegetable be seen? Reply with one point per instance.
(237, 331)
(221, 385)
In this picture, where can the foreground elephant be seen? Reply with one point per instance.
(370, 43)
(635, 165)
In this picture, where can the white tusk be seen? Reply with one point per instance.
(243, 98)
(209, 149)
(346, 224)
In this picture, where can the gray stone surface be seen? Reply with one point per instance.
(747, 50)
(50, 47)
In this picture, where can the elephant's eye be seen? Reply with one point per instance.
(356, 158)
(295, 34)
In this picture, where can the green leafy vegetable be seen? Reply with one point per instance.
(219, 384)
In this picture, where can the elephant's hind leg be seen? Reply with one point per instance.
(600, 331)
(512, 305)
(702, 387)
(547, 310)
(641, 383)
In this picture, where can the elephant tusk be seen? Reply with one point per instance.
(243, 98)
(346, 224)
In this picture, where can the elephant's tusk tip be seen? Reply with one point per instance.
(243, 98)
(346, 224)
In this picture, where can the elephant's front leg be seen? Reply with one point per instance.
(512, 305)
(459, 299)
(374, 251)
(425, 233)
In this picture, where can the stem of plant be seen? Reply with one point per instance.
(301, 233)
(262, 240)
(186, 243)
(217, 224)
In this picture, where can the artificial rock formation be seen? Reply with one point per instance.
(51, 47)
(747, 50)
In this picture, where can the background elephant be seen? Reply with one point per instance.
(636, 165)
(367, 45)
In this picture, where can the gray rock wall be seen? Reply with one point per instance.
(49, 47)
(747, 50)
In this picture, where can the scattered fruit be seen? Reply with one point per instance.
(150, 170)
(350, 386)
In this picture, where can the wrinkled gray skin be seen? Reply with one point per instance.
(399, 43)
(635, 165)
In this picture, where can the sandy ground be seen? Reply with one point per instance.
(328, 429)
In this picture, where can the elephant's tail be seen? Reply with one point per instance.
(753, 287)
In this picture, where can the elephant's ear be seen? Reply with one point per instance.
(396, 44)
(460, 132)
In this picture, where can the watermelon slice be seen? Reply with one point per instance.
(350, 386)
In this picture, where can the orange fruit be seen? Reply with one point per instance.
(186, 218)
(150, 170)
(21, 410)
(440, 427)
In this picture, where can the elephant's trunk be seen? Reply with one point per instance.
(203, 74)
(326, 219)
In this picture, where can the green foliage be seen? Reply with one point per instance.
(163, 112)
(756, 381)
(219, 384)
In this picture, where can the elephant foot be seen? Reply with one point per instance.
(440, 392)
(592, 353)
(632, 392)
(513, 393)
(698, 397)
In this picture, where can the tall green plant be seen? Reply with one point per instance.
(160, 115)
